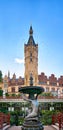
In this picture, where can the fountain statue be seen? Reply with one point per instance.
(31, 121)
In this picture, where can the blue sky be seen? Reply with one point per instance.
(46, 18)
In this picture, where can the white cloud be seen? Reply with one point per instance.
(19, 61)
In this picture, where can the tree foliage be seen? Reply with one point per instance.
(1, 92)
(1, 79)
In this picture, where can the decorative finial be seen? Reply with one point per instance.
(31, 31)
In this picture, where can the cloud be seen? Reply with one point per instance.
(19, 61)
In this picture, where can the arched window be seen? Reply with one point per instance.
(30, 56)
(13, 89)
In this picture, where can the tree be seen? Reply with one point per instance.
(1, 92)
(1, 76)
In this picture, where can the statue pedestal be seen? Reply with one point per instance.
(32, 124)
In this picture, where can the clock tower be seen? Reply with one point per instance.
(31, 60)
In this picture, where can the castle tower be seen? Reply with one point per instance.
(31, 59)
(5, 82)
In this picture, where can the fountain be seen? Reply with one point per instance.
(31, 121)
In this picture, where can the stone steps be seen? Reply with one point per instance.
(56, 126)
(5, 127)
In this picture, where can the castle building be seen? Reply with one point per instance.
(50, 84)
(14, 84)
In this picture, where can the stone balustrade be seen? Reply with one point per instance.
(40, 99)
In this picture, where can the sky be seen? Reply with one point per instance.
(46, 18)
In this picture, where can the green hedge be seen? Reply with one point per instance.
(46, 118)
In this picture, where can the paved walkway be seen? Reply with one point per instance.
(19, 128)
(15, 128)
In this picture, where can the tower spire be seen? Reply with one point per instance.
(31, 39)
(8, 74)
(31, 31)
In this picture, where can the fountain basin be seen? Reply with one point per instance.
(31, 89)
